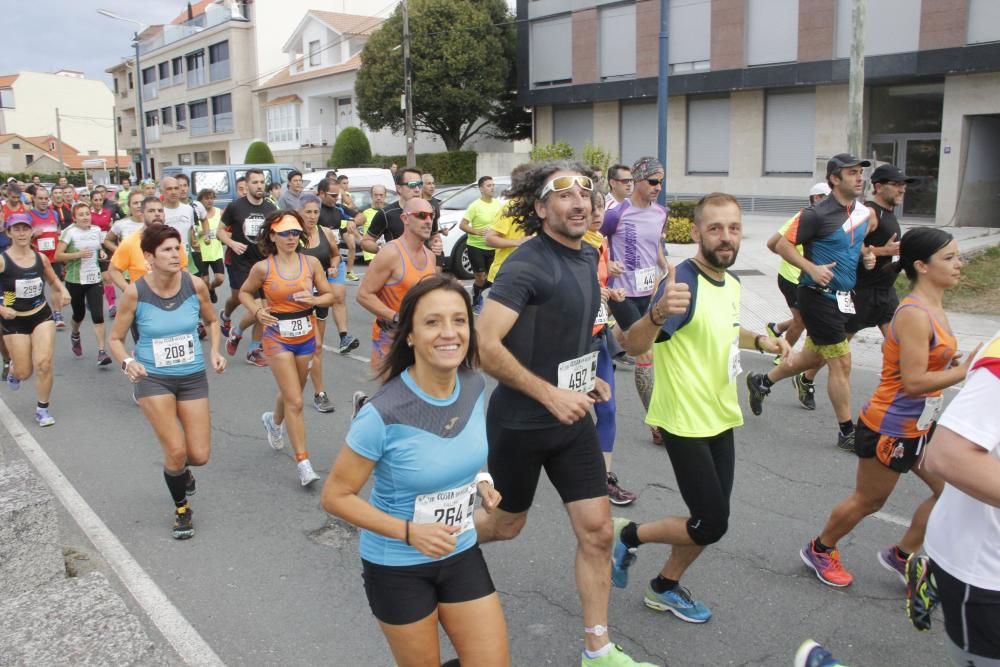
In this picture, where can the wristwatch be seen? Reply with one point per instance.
(125, 362)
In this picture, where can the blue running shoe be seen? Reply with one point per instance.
(12, 382)
(811, 654)
(678, 602)
(621, 556)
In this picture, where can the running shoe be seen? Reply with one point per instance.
(807, 391)
(352, 276)
(112, 312)
(212, 296)
(678, 601)
(225, 323)
(183, 526)
(358, 401)
(811, 654)
(826, 565)
(845, 442)
(657, 437)
(306, 473)
(255, 357)
(757, 391)
(322, 402)
(622, 557)
(58, 319)
(6, 369)
(616, 657)
(102, 358)
(348, 343)
(890, 560)
(43, 418)
(921, 592)
(190, 486)
(233, 342)
(616, 494)
(12, 382)
(275, 433)
(772, 330)
(76, 344)
(202, 334)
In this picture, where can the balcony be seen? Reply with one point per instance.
(319, 135)
(196, 77)
(152, 133)
(222, 122)
(218, 71)
(214, 15)
(150, 91)
(200, 126)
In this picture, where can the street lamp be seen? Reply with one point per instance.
(138, 86)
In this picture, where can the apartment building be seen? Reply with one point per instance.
(758, 92)
(193, 79)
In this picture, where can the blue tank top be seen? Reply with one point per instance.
(168, 330)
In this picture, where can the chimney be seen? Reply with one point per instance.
(190, 12)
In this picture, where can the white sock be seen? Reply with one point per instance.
(599, 653)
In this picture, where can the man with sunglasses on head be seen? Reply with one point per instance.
(535, 338)
(620, 184)
(633, 230)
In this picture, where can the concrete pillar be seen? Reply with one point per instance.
(607, 127)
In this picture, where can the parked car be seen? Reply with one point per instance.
(442, 192)
(222, 177)
(362, 178)
(452, 210)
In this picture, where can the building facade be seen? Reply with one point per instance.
(758, 92)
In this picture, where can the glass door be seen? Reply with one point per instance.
(920, 161)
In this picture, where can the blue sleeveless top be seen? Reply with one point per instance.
(168, 330)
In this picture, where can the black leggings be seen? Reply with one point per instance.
(92, 296)
(704, 469)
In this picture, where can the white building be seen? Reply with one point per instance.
(28, 102)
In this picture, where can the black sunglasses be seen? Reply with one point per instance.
(654, 181)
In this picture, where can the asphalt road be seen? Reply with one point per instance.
(270, 579)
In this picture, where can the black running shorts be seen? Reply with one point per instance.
(789, 290)
(897, 454)
(971, 615)
(875, 306)
(825, 324)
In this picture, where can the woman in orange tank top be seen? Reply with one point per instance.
(288, 279)
(920, 359)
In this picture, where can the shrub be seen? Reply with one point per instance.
(557, 151)
(74, 177)
(679, 230)
(447, 167)
(351, 149)
(259, 152)
(682, 208)
(596, 157)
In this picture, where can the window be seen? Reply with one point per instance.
(616, 37)
(574, 125)
(202, 157)
(222, 113)
(183, 158)
(167, 118)
(218, 61)
(6, 98)
(902, 15)
(28, 159)
(690, 44)
(180, 116)
(984, 21)
(638, 125)
(152, 118)
(116, 85)
(551, 52)
(118, 121)
(195, 63)
(315, 59)
(15, 147)
(283, 122)
(177, 65)
(208, 180)
(163, 70)
(772, 32)
(199, 124)
(149, 87)
(131, 81)
(52, 145)
(789, 131)
(708, 135)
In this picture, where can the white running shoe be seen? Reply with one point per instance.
(275, 433)
(306, 473)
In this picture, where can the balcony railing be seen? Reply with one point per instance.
(214, 15)
(152, 133)
(319, 135)
(200, 126)
(150, 91)
(196, 77)
(222, 122)
(218, 71)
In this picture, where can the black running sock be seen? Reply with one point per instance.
(630, 535)
(661, 584)
(847, 428)
(766, 381)
(902, 554)
(43, 406)
(177, 485)
(343, 335)
(819, 546)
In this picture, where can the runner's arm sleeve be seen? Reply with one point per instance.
(611, 219)
(968, 414)
(686, 274)
(517, 282)
(804, 227)
(377, 226)
(367, 434)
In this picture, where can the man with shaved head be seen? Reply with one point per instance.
(399, 264)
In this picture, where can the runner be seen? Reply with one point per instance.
(319, 242)
(80, 249)
(103, 217)
(388, 224)
(475, 222)
(621, 185)
(423, 437)
(963, 533)
(398, 266)
(168, 369)
(241, 222)
(62, 206)
(148, 188)
(378, 195)
(504, 234)
(273, 192)
(291, 198)
(534, 336)
(292, 284)
(209, 249)
(919, 361)
(45, 229)
(28, 330)
(121, 197)
(347, 218)
(693, 328)
(832, 234)
(124, 227)
(633, 231)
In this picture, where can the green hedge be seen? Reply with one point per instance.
(74, 177)
(448, 167)
(351, 149)
(679, 222)
(259, 152)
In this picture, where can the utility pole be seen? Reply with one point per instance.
(856, 83)
(59, 140)
(408, 87)
(662, 90)
(142, 116)
(114, 132)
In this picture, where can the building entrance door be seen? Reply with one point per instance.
(918, 156)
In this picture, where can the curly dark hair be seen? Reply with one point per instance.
(524, 192)
(264, 242)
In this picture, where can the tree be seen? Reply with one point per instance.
(259, 152)
(351, 149)
(463, 62)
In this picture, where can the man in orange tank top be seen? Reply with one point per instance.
(399, 265)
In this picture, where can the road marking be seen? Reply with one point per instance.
(190, 645)
(356, 357)
(892, 518)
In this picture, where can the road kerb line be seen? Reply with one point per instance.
(891, 518)
(186, 641)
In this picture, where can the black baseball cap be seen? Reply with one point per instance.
(890, 172)
(842, 160)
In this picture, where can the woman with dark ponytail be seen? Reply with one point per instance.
(920, 359)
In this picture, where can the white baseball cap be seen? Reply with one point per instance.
(819, 189)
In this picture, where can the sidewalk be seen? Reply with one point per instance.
(763, 303)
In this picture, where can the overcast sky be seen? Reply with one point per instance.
(49, 36)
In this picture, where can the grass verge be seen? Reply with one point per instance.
(979, 290)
